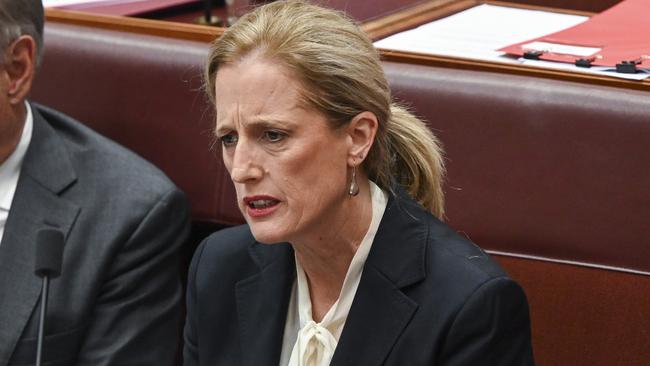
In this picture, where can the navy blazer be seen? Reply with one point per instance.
(427, 296)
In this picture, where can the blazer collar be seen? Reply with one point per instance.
(380, 310)
(46, 172)
(398, 251)
(48, 160)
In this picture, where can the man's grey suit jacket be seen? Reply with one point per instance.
(117, 299)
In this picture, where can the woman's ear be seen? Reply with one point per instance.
(362, 131)
(19, 65)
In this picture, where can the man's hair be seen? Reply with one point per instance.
(18, 18)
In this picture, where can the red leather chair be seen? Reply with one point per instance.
(552, 178)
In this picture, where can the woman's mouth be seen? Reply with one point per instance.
(260, 206)
(262, 203)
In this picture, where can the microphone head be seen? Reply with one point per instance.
(49, 253)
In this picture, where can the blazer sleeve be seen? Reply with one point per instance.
(136, 317)
(492, 328)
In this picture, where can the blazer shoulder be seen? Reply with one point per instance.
(458, 271)
(453, 255)
(427, 248)
(229, 242)
(224, 254)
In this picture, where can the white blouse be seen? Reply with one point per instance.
(307, 343)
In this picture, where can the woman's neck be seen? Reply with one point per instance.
(326, 256)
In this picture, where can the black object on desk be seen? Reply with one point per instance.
(627, 67)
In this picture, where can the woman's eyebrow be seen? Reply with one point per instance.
(262, 122)
(222, 128)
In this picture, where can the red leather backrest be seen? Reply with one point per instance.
(144, 92)
(539, 167)
(552, 178)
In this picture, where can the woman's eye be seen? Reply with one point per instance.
(274, 136)
(228, 140)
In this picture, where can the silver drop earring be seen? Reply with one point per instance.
(354, 187)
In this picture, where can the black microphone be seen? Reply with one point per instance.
(208, 18)
(207, 11)
(49, 255)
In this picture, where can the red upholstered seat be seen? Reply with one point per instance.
(552, 178)
(144, 92)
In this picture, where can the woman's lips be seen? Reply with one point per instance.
(260, 206)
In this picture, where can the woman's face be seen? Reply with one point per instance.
(289, 167)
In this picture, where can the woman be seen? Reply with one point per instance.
(344, 259)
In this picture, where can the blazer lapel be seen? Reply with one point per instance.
(46, 172)
(381, 311)
(262, 302)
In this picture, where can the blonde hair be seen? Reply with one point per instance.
(342, 76)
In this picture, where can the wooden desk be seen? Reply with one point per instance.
(409, 17)
(361, 10)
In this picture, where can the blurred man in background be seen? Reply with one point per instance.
(117, 299)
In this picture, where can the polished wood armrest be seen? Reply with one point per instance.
(161, 28)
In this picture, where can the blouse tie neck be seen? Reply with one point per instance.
(315, 346)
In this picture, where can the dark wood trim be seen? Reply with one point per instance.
(515, 69)
(414, 16)
(400, 21)
(135, 25)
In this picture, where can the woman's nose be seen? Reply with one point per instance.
(245, 167)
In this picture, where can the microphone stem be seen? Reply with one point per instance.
(208, 11)
(41, 322)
